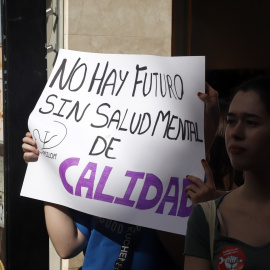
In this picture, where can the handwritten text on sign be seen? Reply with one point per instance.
(117, 134)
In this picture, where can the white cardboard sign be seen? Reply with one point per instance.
(117, 134)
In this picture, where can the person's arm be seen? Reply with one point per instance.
(192, 263)
(68, 241)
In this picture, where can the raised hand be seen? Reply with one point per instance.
(200, 191)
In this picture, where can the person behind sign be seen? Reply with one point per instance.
(242, 221)
(110, 244)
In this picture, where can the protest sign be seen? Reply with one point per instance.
(117, 135)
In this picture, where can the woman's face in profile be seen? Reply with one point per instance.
(247, 132)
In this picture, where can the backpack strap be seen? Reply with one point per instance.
(209, 209)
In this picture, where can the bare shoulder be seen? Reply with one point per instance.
(230, 205)
(230, 199)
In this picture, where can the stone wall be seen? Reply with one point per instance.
(119, 26)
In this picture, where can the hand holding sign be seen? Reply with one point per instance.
(29, 147)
